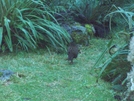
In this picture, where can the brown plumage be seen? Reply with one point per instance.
(73, 51)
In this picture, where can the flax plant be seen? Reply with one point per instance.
(115, 68)
(24, 24)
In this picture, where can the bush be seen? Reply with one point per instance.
(115, 68)
(28, 23)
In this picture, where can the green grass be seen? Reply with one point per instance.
(47, 76)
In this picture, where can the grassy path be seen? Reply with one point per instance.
(44, 76)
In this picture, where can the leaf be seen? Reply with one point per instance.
(8, 37)
(117, 79)
(118, 87)
(1, 34)
(103, 53)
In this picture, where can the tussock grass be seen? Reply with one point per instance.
(44, 76)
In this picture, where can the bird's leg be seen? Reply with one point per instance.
(71, 62)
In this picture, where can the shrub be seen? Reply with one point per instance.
(28, 23)
(115, 67)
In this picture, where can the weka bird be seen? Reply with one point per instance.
(73, 51)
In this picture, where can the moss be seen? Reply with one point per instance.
(90, 29)
(80, 38)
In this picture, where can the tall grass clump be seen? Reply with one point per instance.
(28, 24)
(84, 9)
(126, 15)
(115, 68)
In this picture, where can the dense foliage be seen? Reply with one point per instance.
(27, 24)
